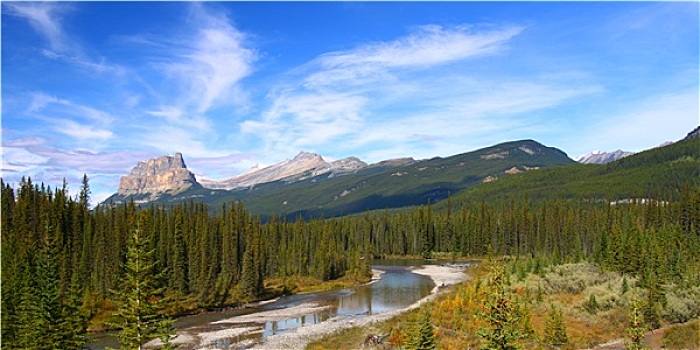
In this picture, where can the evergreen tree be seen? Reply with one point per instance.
(636, 329)
(139, 300)
(555, 329)
(74, 321)
(592, 304)
(503, 315)
(425, 339)
(251, 283)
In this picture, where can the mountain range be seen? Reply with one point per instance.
(309, 186)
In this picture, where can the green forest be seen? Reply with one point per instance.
(67, 269)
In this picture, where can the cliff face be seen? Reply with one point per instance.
(166, 174)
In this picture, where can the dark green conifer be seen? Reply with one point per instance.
(425, 339)
(139, 300)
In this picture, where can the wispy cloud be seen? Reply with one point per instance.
(300, 121)
(428, 46)
(35, 157)
(45, 18)
(176, 116)
(211, 63)
(353, 101)
(82, 123)
(80, 131)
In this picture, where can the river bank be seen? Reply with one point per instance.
(442, 275)
(238, 327)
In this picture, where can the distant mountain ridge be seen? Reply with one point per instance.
(309, 186)
(304, 164)
(600, 157)
(662, 172)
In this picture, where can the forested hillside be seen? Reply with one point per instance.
(76, 258)
(655, 173)
(375, 187)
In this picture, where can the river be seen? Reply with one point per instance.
(398, 287)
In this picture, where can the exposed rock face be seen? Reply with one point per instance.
(166, 174)
(598, 157)
(346, 165)
(693, 134)
(302, 166)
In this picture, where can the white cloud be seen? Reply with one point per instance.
(80, 131)
(429, 46)
(32, 157)
(169, 139)
(19, 160)
(382, 98)
(220, 167)
(45, 18)
(81, 122)
(302, 121)
(212, 62)
(176, 116)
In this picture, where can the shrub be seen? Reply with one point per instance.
(682, 305)
(684, 336)
(574, 278)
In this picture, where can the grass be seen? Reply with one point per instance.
(683, 336)
(567, 287)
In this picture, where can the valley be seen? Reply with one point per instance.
(530, 224)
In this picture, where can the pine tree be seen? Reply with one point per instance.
(625, 285)
(592, 304)
(251, 283)
(74, 321)
(425, 339)
(555, 329)
(503, 315)
(139, 300)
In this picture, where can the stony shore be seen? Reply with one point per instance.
(443, 276)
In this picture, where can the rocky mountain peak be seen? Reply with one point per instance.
(304, 156)
(600, 157)
(156, 176)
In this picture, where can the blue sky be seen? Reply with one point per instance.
(95, 87)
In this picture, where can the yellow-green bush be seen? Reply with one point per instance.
(683, 336)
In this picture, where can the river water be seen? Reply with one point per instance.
(397, 288)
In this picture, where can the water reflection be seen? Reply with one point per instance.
(397, 288)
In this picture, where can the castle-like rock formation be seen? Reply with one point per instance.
(166, 174)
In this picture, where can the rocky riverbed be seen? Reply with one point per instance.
(243, 329)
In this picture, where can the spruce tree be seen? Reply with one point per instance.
(139, 300)
(425, 339)
(503, 315)
(555, 329)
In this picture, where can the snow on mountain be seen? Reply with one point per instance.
(600, 157)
